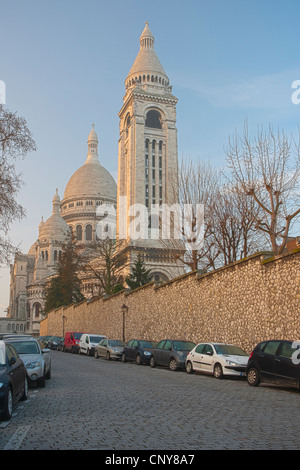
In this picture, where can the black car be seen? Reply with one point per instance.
(274, 361)
(13, 380)
(53, 342)
(171, 353)
(138, 350)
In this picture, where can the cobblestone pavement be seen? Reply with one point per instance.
(97, 404)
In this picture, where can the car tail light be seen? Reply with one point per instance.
(251, 355)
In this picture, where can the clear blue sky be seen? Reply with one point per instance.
(64, 63)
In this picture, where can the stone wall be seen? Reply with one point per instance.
(254, 299)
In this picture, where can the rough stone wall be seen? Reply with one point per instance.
(252, 300)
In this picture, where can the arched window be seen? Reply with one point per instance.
(36, 309)
(55, 255)
(78, 232)
(153, 119)
(88, 233)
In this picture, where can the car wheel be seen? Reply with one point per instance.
(42, 381)
(218, 371)
(8, 406)
(48, 375)
(108, 356)
(189, 367)
(138, 360)
(173, 364)
(25, 393)
(123, 357)
(152, 362)
(253, 377)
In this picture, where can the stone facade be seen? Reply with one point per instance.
(254, 299)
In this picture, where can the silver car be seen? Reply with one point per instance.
(110, 349)
(36, 359)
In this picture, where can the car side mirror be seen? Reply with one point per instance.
(12, 361)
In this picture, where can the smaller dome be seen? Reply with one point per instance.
(32, 249)
(55, 228)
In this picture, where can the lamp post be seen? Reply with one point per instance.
(124, 309)
(63, 319)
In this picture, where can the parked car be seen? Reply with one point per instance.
(53, 341)
(60, 345)
(171, 353)
(37, 359)
(218, 359)
(88, 342)
(110, 349)
(138, 350)
(71, 342)
(13, 380)
(274, 361)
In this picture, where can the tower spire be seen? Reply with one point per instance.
(92, 155)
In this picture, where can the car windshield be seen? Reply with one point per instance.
(146, 344)
(96, 339)
(77, 335)
(26, 347)
(229, 349)
(116, 342)
(183, 345)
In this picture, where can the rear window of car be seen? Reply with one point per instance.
(271, 347)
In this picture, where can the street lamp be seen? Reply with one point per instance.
(124, 309)
(63, 319)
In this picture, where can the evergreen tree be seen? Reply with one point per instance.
(64, 288)
(139, 275)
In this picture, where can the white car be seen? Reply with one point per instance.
(218, 359)
(88, 342)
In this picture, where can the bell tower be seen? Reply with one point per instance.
(147, 160)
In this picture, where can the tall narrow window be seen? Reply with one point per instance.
(78, 232)
(88, 233)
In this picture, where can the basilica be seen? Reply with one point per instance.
(147, 169)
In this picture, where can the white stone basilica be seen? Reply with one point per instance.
(147, 169)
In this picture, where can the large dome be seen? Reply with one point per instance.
(91, 180)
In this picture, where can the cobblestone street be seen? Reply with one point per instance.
(97, 404)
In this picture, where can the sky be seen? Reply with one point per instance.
(64, 64)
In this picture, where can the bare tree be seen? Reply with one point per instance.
(233, 225)
(267, 169)
(197, 187)
(106, 262)
(15, 142)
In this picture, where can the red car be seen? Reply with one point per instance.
(71, 342)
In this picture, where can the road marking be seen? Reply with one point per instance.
(17, 438)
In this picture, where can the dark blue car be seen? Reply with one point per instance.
(13, 380)
(138, 350)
